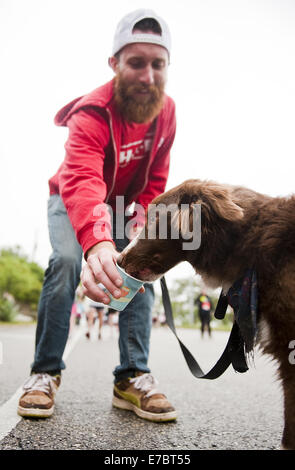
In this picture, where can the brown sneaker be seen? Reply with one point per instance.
(139, 394)
(37, 400)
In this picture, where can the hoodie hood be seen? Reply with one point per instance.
(100, 97)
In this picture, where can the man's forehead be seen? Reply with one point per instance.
(145, 50)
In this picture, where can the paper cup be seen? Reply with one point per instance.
(130, 287)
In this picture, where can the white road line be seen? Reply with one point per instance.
(8, 416)
(72, 342)
(8, 411)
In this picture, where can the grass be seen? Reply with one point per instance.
(17, 322)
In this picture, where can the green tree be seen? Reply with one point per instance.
(8, 310)
(20, 278)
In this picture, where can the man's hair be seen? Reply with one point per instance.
(147, 24)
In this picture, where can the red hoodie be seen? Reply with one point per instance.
(87, 176)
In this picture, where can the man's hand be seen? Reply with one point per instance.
(101, 268)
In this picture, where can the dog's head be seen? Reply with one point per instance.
(180, 223)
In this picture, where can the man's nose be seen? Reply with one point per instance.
(147, 76)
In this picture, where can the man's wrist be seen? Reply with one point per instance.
(96, 248)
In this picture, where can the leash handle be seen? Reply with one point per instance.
(232, 354)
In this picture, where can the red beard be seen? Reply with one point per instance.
(138, 108)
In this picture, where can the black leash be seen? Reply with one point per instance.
(234, 352)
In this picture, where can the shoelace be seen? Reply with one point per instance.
(40, 382)
(146, 383)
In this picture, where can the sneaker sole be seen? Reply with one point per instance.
(156, 417)
(35, 412)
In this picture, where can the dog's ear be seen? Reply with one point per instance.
(186, 221)
(214, 197)
(200, 203)
(220, 199)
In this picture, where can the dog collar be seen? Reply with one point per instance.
(243, 298)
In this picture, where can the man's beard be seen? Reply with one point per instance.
(138, 110)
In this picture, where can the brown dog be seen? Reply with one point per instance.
(239, 229)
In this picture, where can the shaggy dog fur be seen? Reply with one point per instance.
(240, 229)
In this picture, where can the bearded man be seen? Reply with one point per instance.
(119, 141)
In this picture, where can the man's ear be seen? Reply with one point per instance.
(113, 63)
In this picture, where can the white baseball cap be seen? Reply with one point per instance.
(124, 31)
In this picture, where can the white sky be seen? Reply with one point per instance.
(232, 76)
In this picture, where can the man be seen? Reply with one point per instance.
(119, 140)
(204, 306)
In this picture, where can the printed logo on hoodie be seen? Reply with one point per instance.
(135, 150)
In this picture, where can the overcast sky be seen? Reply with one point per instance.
(232, 76)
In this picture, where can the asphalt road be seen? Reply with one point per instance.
(236, 411)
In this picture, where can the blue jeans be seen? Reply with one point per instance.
(61, 280)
